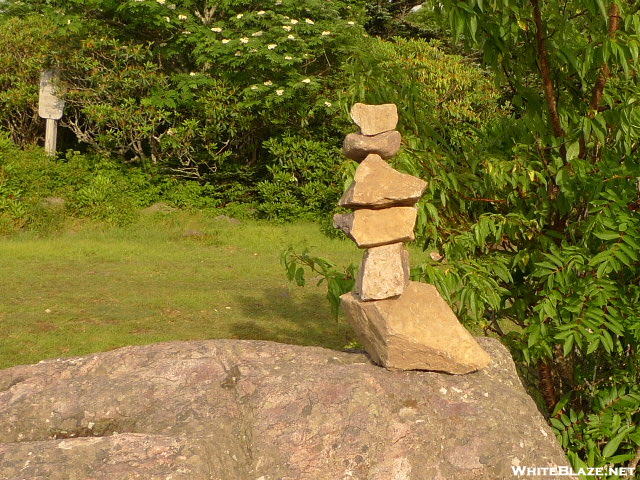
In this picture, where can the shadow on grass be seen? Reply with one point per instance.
(279, 317)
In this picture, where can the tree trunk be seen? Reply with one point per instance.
(545, 72)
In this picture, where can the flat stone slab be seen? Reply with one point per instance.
(375, 119)
(253, 410)
(384, 272)
(357, 147)
(372, 228)
(377, 185)
(415, 331)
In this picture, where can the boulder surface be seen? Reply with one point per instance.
(255, 410)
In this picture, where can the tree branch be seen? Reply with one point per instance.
(634, 463)
(545, 72)
(598, 88)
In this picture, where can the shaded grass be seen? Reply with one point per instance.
(173, 276)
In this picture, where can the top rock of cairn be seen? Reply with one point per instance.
(375, 119)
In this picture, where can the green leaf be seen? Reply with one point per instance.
(568, 345)
(613, 444)
(633, 47)
(557, 424)
(603, 10)
(573, 151)
(594, 343)
(562, 177)
(607, 235)
(607, 341)
(632, 254)
(473, 26)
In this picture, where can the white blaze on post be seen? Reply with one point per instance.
(50, 107)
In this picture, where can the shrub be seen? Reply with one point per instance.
(186, 86)
(21, 61)
(541, 238)
(91, 187)
(303, 179)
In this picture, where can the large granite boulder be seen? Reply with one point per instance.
(251, 410)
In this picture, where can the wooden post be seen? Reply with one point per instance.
(50, 107)
(51, 136)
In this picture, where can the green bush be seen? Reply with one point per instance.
(187, 87)
(188, 195)
(89, 187)
(537, 220)
(21, 61)
(304, 179)
(26, 179)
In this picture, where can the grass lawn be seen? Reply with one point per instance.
(173, 276)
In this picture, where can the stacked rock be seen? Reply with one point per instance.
(402, 324)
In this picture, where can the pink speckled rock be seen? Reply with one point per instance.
(250, 410)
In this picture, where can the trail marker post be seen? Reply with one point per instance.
(50, 107)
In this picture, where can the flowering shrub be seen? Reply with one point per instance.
(196, 88)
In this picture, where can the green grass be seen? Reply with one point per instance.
(94, 288)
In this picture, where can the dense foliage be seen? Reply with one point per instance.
(245, 98)
(533, 197)
(201, 91)
(551, 212)
(534, 222)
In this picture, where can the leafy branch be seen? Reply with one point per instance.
(338, 282)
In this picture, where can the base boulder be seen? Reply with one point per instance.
(252, 410)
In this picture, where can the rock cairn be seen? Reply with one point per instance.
(402, 324)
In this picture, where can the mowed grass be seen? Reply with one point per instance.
(173, 276)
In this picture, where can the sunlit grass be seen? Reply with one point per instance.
(174, 276)
(168, 277)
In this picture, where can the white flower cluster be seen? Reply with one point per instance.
(280, 91)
